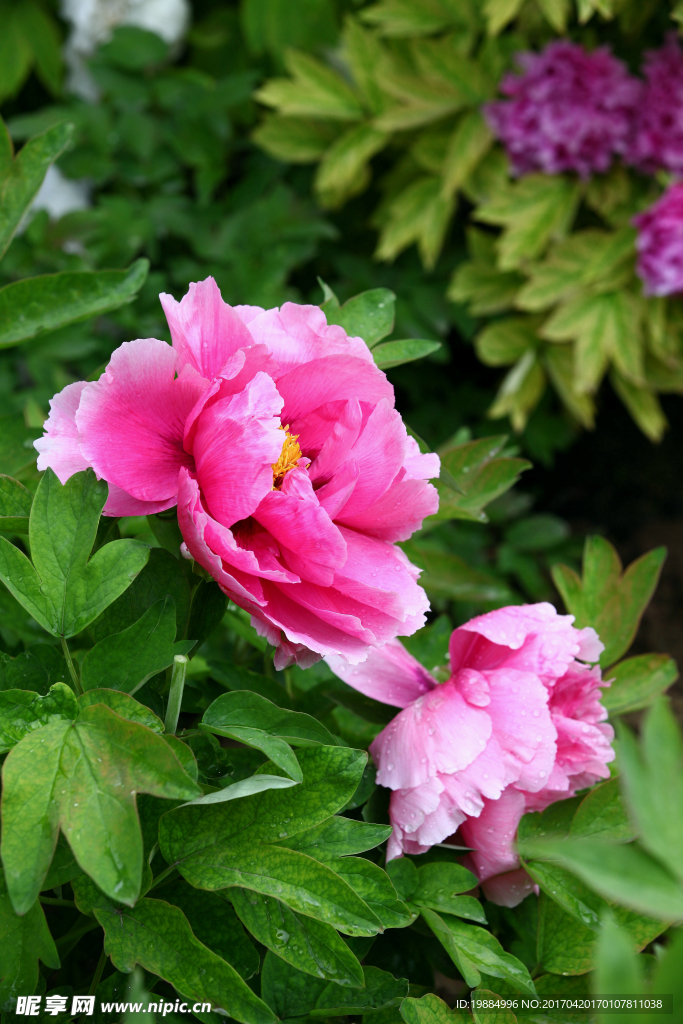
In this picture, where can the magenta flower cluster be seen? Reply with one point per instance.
(660, 244)
(571, 110)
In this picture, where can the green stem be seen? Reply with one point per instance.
(67, 942)
(162, 876)
(72, 667)
(175, 696)
(98, 973)
(52, 902)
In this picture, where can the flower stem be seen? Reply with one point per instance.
(98, 972)
(175, 696)
(72, 667)
(53, 902)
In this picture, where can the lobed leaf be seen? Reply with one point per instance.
(82, 776)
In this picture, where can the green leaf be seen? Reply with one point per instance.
(572, 895)
(294, 140)
(21, 712)
(16, 53)
(37, 668)
(404, 876)
(292, 993)
(343, 170)
(223, 845)
(447, 575)
(602, 814)
(304, 943)
(245, 787)
(643, 405)
(40, 28)
(625, 874)
(206, 611)
(369, 316)
(432, 1010)
(37, 304)
(126, 660)
(395, 353)
(421, 213)
(534, 210)
(15, 505)
(439, 887)
(565, 946)
(470, 141)
(557, 13)
(314, 90)
(125, 706)
(499, 12)
(23, 942)
(652, 774)
(337, 837)
(605, 328)
(480, 473)
(374, 886)
(215, 923)
(158, 936)
(605, 599)
(62, 589)
(554, 822)
(161, 577)
(618, 968)
(251, 719)
(474, 950)
(24, 175)
(82, 776)
(505, 341)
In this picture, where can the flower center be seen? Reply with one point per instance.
(289, 457)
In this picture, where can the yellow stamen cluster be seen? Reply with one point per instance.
(289, 457)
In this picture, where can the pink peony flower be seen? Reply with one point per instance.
(660, 244)
(517, 726)
(569, 110)
(276, 436)
(657, 142)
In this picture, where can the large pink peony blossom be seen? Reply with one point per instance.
(517, 726)
(569, 110)
(657, 142)
(660, 244)
(276, 436)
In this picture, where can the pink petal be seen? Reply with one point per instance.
(379, 453)
(58, 448)
(418, 466)
(397, 514)
(336, 492)
(492, 834)
(205, 330)
(423, 815)
(379, 575)
(120, 503)
(238, 371)
(237, 440)
(509, 889)
(330, 379)
(131, 421)
(389, 674)
(345, 427)
(299, 334)
(531, 638)
(311, 544)
(522, 726)
(419, 743)
(216, 547)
